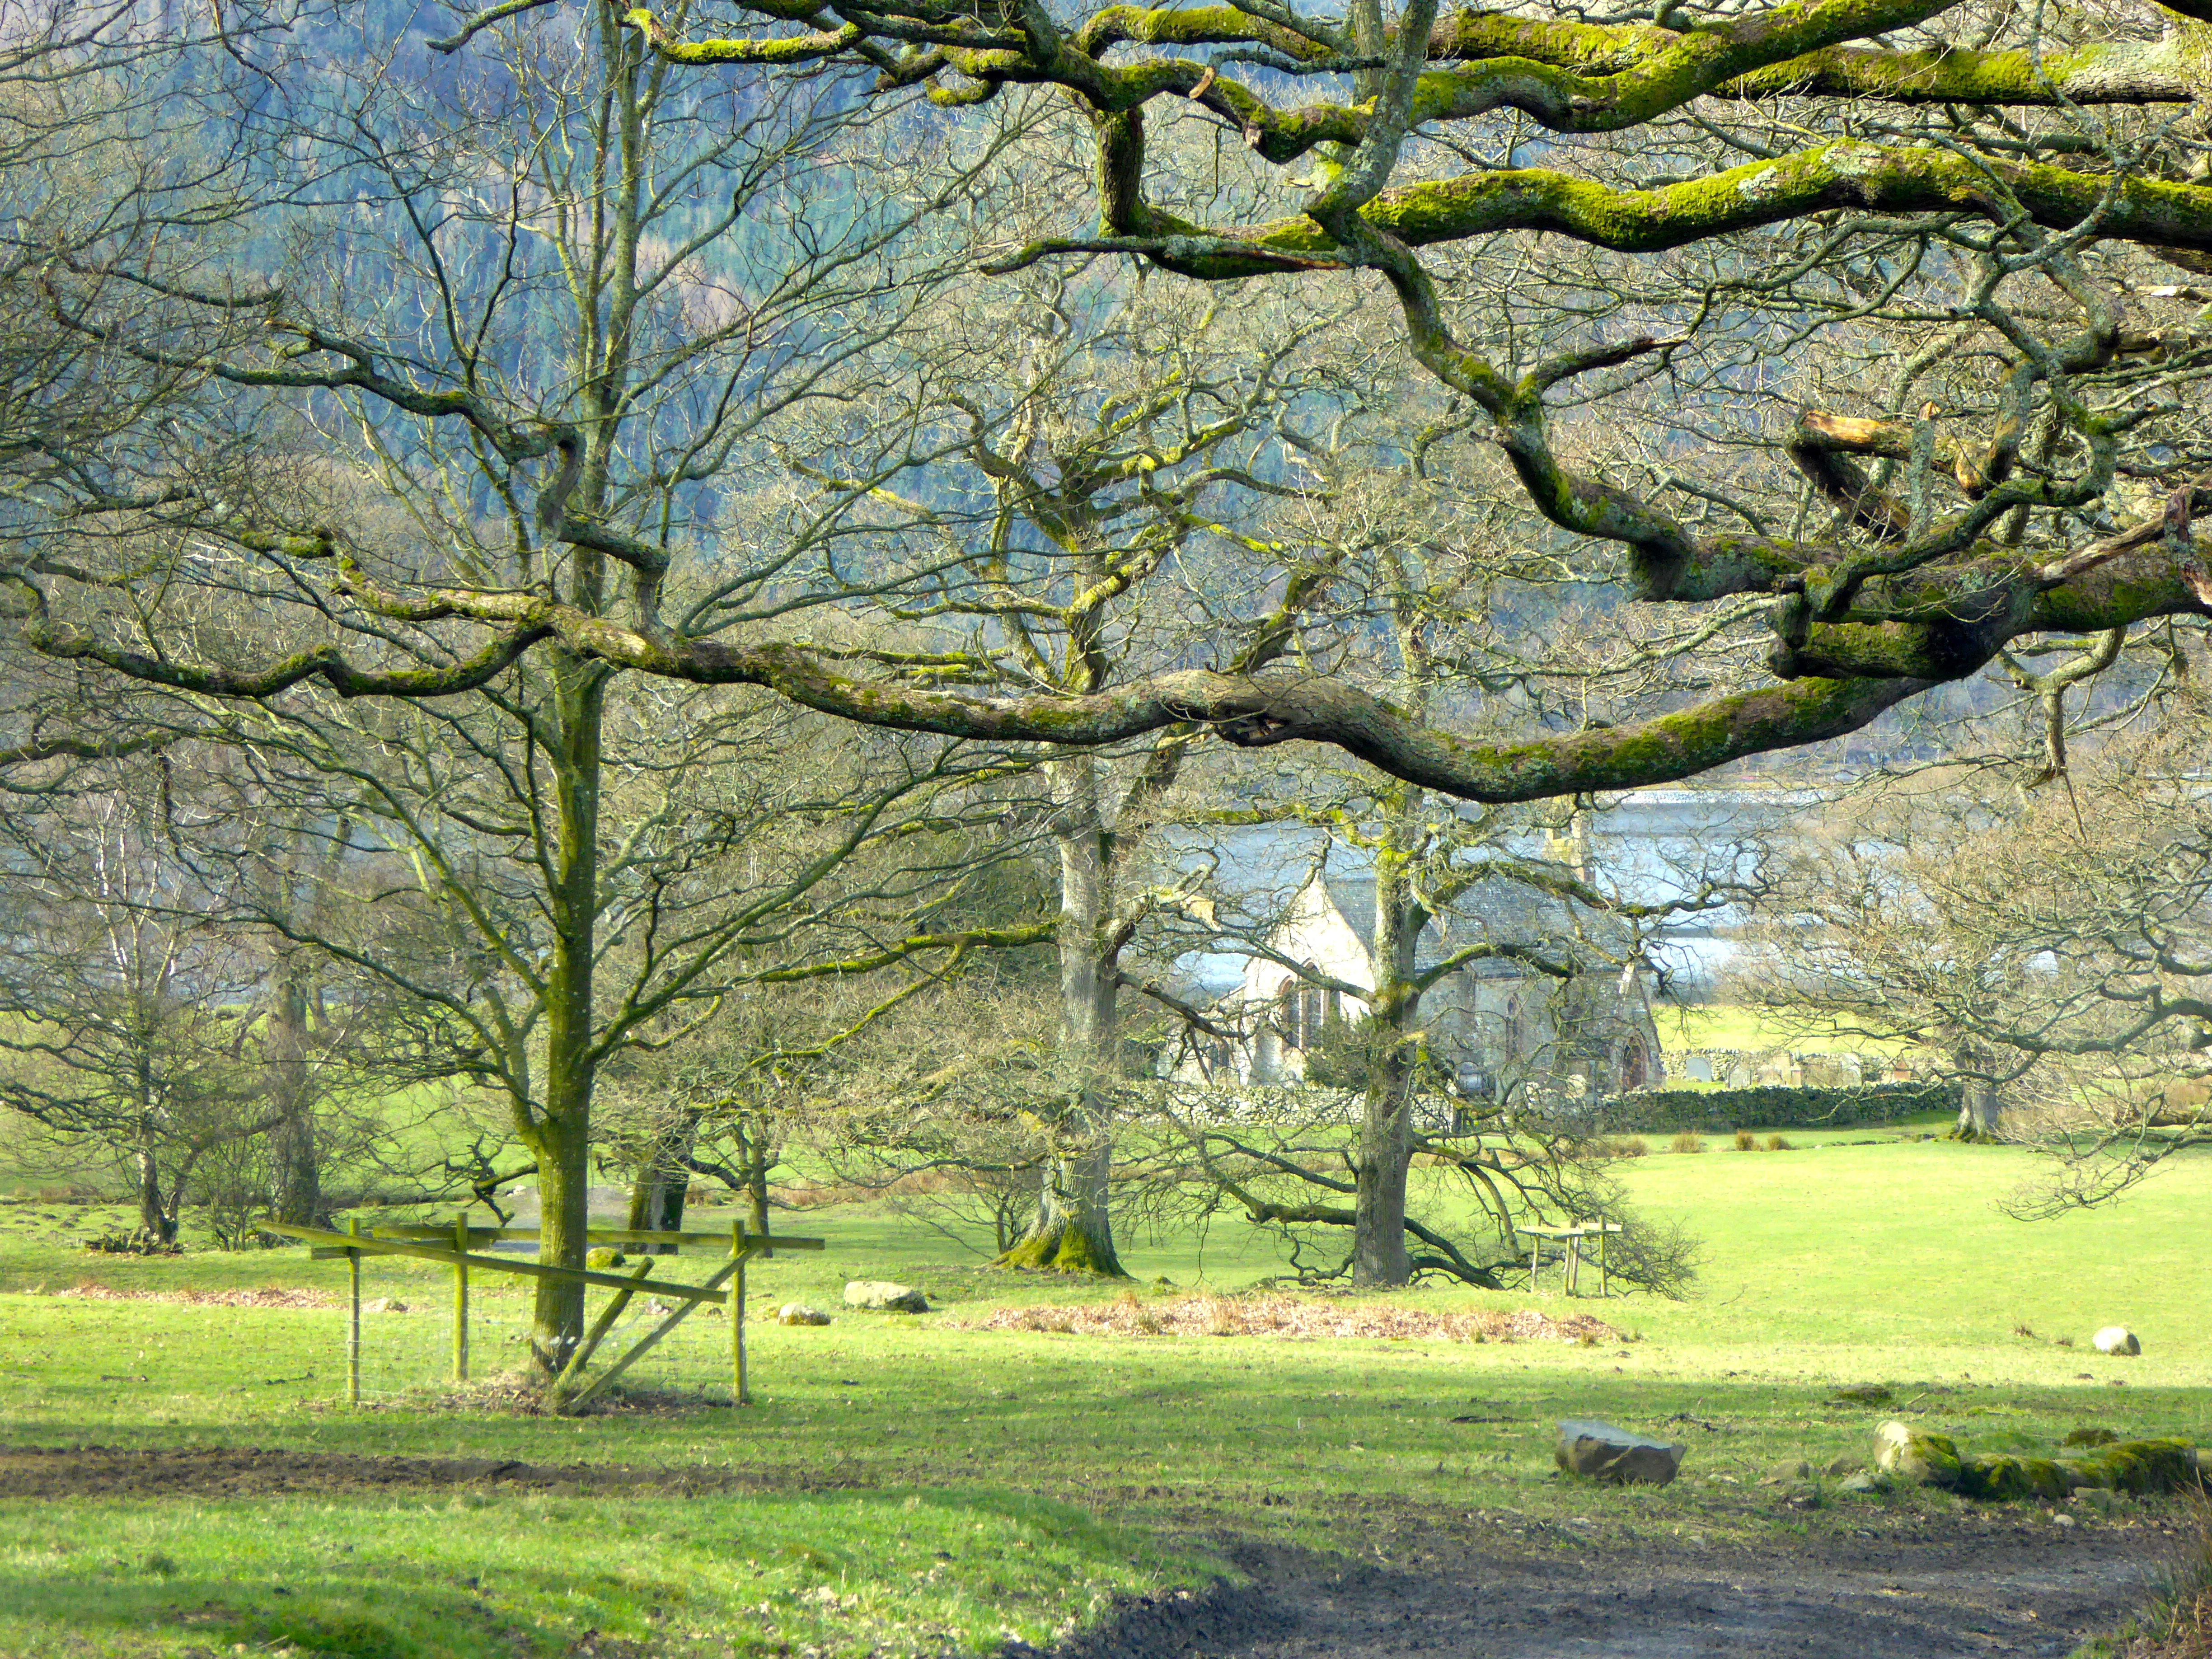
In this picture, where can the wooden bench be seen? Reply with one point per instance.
(1570, 1267)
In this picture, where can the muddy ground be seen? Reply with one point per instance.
(2021, 1590)
(1990, 1583)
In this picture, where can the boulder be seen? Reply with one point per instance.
(882, 1295)
(1933, 1460)
(798, 1313)
(1910, 1454)
(2001, 1477)
(1605, 1453)
(1865, 1393)
(2146, 1466)
(2116, 1339)
(604, 1257)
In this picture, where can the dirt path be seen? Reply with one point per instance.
(1995, 1584)
(2008, 1595)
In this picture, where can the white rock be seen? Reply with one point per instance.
(798, 1313)
(2116, 1339)
(882, 1293)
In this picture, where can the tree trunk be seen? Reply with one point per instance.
(155, 1219)
(1073, 1232)
(561, 1132)
(1379, 1256)
(1978, 1112)
(295, 1169)
(563, 1204)
(664, 1180)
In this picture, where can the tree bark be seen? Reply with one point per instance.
(662, 1183)
(1073, 1232)
(155, 1219)
(295, 1173)
(559, 1134)
(1379, 1254)
(1979, 1112)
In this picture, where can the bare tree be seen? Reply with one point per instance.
(1818, 187)
(2051, 946)
(1980, 207)
(127, 1008)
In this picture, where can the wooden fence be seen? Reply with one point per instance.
(570, 1391)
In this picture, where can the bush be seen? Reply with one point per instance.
(1719, 1111)
(1746, 1141)
(1688, 1141)
(1777, 1144)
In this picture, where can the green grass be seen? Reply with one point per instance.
(424, 1572)
(905, 1484)
(1751, 1030)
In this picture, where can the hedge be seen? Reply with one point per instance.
(1664, 1110)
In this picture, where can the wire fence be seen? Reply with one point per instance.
(408, 1357)
(658, 1329)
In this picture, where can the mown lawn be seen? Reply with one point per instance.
(916, 1485)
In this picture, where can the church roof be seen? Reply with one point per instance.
(1497, 910)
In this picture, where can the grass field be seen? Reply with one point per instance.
(911, 1485)
(1728, 1025)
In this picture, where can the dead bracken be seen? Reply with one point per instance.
(1296, 1319)
(267, 1296)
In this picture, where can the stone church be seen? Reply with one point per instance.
(1500, 1027)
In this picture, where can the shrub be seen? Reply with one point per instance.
(1688, 1141)
(1635, 1147)
(1777, 1144)
(140, 1242)
(1746, 1141)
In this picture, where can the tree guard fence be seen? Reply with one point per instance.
(454, 1246)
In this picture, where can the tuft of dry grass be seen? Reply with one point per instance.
(1777, 1144)
(1746, 1141)
(2181, 1626)
(1688, 1141)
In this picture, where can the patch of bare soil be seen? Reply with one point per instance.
(2026, 1590)
(252, 1472)
(1296, 1319)
(512, 1394)
(267, 1296)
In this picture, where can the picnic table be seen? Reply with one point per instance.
(1572, 1236)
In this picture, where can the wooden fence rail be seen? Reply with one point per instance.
(406, 1240)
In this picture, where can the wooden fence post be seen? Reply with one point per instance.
(353, 1316)
(461, 1299)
